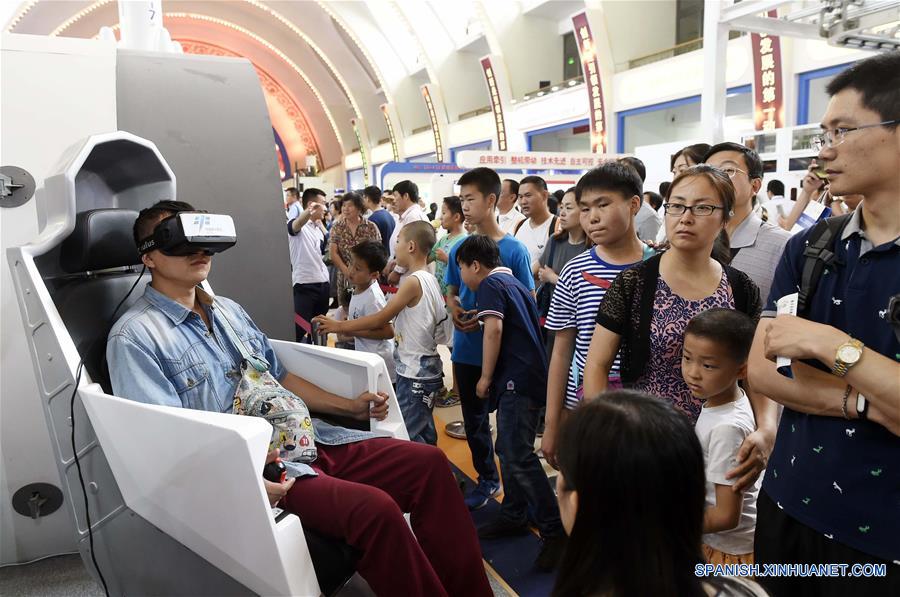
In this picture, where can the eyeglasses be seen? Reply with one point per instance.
(731, 171)
(678, 209)
(834, 137)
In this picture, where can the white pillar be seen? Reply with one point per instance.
(715, 48)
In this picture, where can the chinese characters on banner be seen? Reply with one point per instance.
(768, 93)
(591, 70)
(531, 160)
(496, 105)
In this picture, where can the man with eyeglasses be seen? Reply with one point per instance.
(832, 488)
(756, 246)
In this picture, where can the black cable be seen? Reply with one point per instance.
(87, 512)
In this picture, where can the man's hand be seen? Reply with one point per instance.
(464, 321)
(797, 338)
(326, 325)
(441, 255)
(549, 444)
(483, 388)
(393, 278)
(276, 491)
(547, 275)
(371, 405)
(316, 212)
(811, 183)
(752, 457)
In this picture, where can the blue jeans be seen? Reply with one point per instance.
(526, 488)
(416, 398)
(475, 419)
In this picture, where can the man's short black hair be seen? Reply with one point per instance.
(664, 188)
(407, 187)
(149, 217)
(878, 81)
(654, 199)
(310, 194)
(731, 329)
(513, 186)
(372, 253)
(373, 193)
(484, 179)
(610, 176)
(535, 180)
(292, 191)
(480, 248)
(751, 158)
(637, 164)
(454, 205)
(776, 187)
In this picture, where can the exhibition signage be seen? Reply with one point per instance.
(768, 91)
(591, 69)
(531, 160)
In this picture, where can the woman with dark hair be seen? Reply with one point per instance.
(689, 156)
(646, 309)
(634, 521)
(347, 232)
(568, 242)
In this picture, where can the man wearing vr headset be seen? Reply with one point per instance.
(170, 348)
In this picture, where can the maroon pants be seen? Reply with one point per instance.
(360, 496)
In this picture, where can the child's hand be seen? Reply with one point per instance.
(327, 325)
(483, 389)
(547, 275)
(441, 255)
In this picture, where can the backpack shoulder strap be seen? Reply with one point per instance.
(818, 254)
(519, 225)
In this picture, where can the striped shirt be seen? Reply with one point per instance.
(576, 299)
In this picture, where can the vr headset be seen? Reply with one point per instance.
(190, 232)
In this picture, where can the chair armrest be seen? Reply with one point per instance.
(346, 373)
(197, 476)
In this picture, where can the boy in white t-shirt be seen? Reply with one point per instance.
(368, 259)
(417, 310)
(716, 346)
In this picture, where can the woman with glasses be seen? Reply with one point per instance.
(647, 307)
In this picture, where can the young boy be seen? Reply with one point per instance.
(478, 190)
(514, 382)
(452, 220)
(368, 259)
(716, 346)
(608, 197)
(416, 309)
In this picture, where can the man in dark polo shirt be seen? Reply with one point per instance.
(832, 489)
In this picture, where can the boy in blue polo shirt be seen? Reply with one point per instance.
(514, 382)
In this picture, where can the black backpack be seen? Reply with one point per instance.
(819, 254)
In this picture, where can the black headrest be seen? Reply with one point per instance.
(102, 239)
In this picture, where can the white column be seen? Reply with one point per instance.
(715, 47)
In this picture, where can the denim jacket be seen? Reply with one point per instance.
(160, 352)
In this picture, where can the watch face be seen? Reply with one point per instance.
(848, 354)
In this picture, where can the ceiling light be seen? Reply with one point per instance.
(572, 83)
(513, 100)
(540, 93)
(526, 98)
(554, 88)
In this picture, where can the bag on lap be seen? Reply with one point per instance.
(259, 394)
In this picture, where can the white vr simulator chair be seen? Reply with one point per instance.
(176, 499)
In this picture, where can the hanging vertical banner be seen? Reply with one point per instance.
(438, 117)
(594, 86)
(359, 131)
(390, 118)
(496, 84)
(768, 91)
